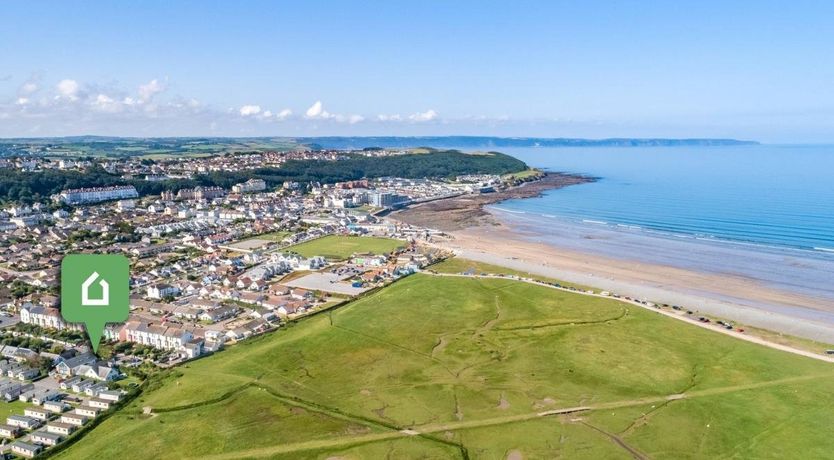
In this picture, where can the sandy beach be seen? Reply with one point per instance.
(484, 236)
(729, 297)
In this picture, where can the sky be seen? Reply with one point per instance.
(750, 70)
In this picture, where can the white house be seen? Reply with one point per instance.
(42, 316)
(162, 290)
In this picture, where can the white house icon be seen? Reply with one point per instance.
(86, 301)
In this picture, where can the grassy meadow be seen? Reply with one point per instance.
(340, 247)
(471, 367)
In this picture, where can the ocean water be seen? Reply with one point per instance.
(764, 212)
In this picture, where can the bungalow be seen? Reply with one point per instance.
(25, 449)
(56, 407)
(67, 384)
(263, 313)
(43, 396)
(273, 302)
(87, 411)
(37, 412)
(100, 403)
(255, 326)
(187, 312)
(219, 314)
(81, 385)
(18, 354)
(293, 307)
(238, 333)
(23, 372)
(300, 294)
(60, 428)
(22, 421)
(8, 431)
(110, 395)
(93, 390)
(279, 289)
(74, 419)
(46, 438)
(203, 304)
(152, 249)
(252, 297)
(12, 390)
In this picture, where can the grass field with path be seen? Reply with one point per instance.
(340, 247)
(455, 367)
(458, 265)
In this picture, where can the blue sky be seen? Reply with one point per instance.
(757, 70)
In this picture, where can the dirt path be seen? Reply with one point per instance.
(427, 430)
(618, 441)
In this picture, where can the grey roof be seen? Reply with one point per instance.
(47, 435)
(83, 358)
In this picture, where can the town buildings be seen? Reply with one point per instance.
(96, 194)
(250, 186)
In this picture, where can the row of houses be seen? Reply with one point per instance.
(53, 422)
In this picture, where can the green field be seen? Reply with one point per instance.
(470, 365)
(458, 265)
(12, 408)
(272, 236)
(526, 174)
(338, 247)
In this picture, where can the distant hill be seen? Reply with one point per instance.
(162, 147)
(479, 142)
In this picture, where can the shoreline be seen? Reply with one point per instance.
(461, 212)
(483, 236)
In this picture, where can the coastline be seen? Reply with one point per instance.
(461, 212)
(479, 234)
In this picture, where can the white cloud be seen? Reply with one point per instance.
(283, 115)
(394, 117)
(249, 110)
(150, 89)
(105, 103)
(68, 89)
(28, 88)
(260, 113)
(428, 115)
(72, 106)
(316, 111)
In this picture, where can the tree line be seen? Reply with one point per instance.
(30, 187)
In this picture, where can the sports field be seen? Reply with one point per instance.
(453, 367)
(340, 247)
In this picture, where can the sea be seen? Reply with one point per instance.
(764, 212)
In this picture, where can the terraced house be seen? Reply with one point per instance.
(167, 338)
(42, 316)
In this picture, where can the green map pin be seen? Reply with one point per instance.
(95, 290)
